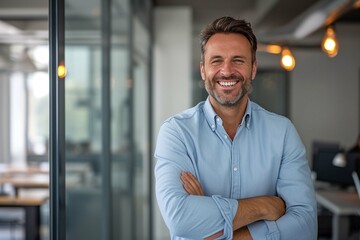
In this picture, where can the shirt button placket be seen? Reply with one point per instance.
(235, 173)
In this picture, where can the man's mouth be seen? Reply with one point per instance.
(227, 83)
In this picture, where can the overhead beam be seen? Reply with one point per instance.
(24, 13)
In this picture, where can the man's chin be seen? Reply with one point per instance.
(229, 102)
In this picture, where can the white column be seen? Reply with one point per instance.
(4, 118)
(17, 118)
(172, 74)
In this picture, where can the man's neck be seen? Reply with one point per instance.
(230, 116)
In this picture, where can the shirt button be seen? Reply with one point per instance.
(235, 169)
(225, 136)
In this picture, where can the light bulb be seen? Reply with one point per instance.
(287, 59)
(272, 48)
(357, 4)
(61, 71)
(330, 43)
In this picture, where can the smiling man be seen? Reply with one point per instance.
(227, 168)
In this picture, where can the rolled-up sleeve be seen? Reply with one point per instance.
(187, 216)
(296, 188)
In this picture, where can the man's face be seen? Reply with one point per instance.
(227, 68)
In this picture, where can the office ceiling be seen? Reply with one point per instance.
(25, 22)
(262, 13)
(274, 21)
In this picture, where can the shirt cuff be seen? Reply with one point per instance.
(228, 208)
(264, 230)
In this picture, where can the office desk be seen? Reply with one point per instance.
(342, 205)
(25, 182)
(23, 176)
(11, 170)
(31, 205)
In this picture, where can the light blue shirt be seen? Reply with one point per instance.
(266, 157)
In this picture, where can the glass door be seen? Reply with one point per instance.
(103, 117)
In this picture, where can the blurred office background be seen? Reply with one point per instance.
(153, 73)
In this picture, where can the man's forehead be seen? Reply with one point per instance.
(221, 43)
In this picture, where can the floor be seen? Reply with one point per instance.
(13, 233)
(17, 233)
(11, 220)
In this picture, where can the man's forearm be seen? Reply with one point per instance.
(258, 208)
(242, 234)
(249, 210)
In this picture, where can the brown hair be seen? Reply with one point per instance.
(228, 25)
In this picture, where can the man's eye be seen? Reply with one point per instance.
(216, 61)
(239, 61)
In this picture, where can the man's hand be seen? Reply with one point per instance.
(257, 208)
(191, 184)
(249, 209)
(275, 207)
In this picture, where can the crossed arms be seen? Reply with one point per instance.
(191, 214)
(249, 210)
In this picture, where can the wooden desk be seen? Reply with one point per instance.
(31, 205)
(11, 170)
(18, 182)
(342, 204)
(24, 176)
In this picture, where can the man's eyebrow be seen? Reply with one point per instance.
(215, 56)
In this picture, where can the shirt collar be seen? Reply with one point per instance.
(212, 117)
(210, 114)
(247, 116)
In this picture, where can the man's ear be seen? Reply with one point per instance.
(202, 70)
(254, 69)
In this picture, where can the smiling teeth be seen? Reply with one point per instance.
(227, 84)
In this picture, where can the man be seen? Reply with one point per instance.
(227, 168)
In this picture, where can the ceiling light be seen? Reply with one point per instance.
(274, 49)
(61, 71)
(357, 4)
(287, 59)
(330, 44)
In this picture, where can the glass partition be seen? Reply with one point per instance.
(127, 87)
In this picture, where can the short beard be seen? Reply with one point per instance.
(246, 89)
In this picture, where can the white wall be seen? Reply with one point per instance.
(325, 91)
(172, 74)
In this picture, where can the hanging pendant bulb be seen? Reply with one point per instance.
(287, 59)
(357, 4)
(61, 71)
(330, 44)
(273, 48)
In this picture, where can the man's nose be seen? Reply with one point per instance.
(227, 68)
